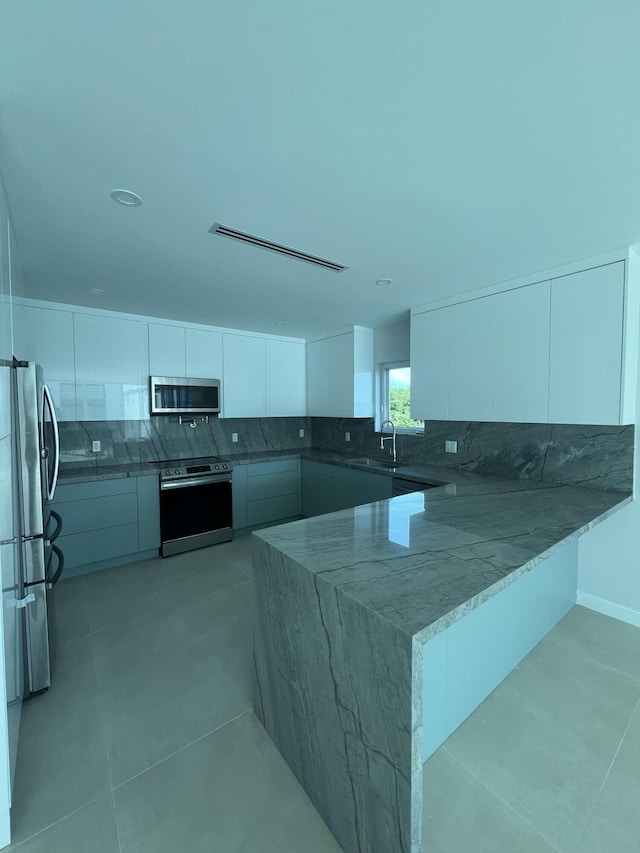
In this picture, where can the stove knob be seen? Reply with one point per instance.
(217, 467)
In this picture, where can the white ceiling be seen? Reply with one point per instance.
(445, 144)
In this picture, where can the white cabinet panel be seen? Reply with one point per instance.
(112, 368)
(318, 378)
(586, 346)
(204, 354)
(471, 360)
(45, 335)
(362, 373)
(244, 389)
(521, 354)
(430, 365)
(341, 376)
(166, 350)
(286, 384)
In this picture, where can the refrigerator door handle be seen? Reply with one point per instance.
(52, 538)
(48, 402)
(54, 580)
(20, 603)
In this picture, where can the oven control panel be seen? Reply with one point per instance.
(196, 470)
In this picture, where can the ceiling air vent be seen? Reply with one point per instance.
(274, 247)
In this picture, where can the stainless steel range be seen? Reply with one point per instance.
(195, 504)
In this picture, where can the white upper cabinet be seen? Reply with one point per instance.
(167, 350)
(558, 351)
(318, 378)
(45, 335)
(112, 368)
(586, 346)
(285, 378)
(203, 354)
(340, 375)
(471, 360)
(244, 390)
(521, 354)
(430, 365)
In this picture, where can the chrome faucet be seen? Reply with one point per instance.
(391, 438)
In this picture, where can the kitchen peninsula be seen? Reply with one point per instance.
(351, 613)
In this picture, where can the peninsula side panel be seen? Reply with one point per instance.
(333, 690)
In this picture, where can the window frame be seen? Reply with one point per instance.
(382, 407)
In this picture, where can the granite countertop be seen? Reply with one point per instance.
(82, 472)
(422, 561)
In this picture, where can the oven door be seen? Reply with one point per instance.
(194, 512)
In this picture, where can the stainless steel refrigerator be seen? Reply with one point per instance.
(38, 562)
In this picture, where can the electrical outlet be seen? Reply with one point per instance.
(450, 489)
(301, 433)
(234, 436)
(347, 436)
(451, 446)
(95, 446)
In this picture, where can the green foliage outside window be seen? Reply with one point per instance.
(400, 401)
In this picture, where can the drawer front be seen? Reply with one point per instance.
(82, 549)
(257, 469)
(272, 485)
(98, 513)
(273, 509)
(95, 489)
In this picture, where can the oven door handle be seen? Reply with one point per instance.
(193, 481)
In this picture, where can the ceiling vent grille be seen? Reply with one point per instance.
(275, 247)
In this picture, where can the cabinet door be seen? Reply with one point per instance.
(166, 350)
(318, 378)
(430, 365)
(45, 335)
(318, 488)
(363, 373)
(286, 379)
(244, 392)
(112, 368)
(204, 354)
(586, 346)
(341, 376)
(470, 376)
(521, 354)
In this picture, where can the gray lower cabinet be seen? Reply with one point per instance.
(265, 491)
(107, 521)
(327, 488)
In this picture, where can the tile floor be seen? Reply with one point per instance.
(146, 742)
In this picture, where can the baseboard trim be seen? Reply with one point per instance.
(609, 608)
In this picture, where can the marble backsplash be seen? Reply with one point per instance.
(594, 456)
(151, 440)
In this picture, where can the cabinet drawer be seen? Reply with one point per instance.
(273, 509)
(98, 513)
(94, 489)
(258, 469)
(272, 485)
(94, 546)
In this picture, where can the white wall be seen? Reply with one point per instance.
(5, 352)
(609, 554)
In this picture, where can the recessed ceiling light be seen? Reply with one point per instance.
(384, 282)
(126, 197)
(97, 291)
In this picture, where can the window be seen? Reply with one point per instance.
(395, 397)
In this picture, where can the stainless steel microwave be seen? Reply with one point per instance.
(174, 395)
